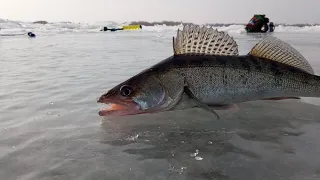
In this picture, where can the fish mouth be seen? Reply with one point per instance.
(119, 108)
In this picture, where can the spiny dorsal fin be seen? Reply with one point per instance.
(196, 40)
(275, 49)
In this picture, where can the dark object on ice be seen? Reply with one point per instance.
(128, 27)
(30, 34)
(112, 29)
(271, 27)
(258, 24)
(40, 22)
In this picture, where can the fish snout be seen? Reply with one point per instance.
(102, 99)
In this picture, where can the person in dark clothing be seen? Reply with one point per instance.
(271, 27)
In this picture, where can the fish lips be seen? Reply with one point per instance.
(118, 108)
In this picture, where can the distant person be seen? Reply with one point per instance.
(271, 27)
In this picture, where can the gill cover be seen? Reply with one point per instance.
(149, 93)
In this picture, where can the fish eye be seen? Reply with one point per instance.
(126, 90)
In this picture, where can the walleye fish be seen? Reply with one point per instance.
(206, 71)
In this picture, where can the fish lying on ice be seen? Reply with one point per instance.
(206, 71)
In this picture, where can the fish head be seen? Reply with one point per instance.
(143, 93)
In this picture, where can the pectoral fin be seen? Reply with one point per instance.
(198, 102)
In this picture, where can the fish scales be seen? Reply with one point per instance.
(227, 80)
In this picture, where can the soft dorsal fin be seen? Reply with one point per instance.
(196, 40)
(275, 49)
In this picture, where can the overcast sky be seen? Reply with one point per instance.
(197, 11)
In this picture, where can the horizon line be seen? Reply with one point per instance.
(165, 22)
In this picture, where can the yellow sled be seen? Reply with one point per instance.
(132, 27)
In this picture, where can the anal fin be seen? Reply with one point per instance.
(224, 107)
(281, 98)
